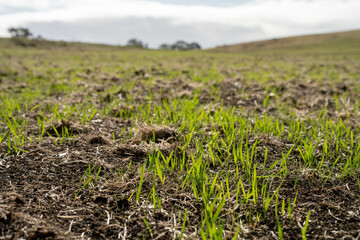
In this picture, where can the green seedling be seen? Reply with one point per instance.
(138, 193)
(291, 207)
(280, 232)
(15, 134)
(304, 229)
(91, 180)
(183, 225)
(148, 227)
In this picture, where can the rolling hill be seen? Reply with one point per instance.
(339, 41)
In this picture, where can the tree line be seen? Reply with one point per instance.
(179, 45)
(17, 33)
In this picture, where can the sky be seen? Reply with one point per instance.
(208, 22)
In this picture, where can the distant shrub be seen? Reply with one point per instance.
(136, 43)
(24, 42)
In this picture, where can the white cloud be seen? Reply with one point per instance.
(276, 18)
(26, 5)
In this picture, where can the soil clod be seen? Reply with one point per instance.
(100, 140)
(156, 134)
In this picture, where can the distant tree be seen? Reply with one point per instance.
(181, 46)
(193, 46)
(165, 46)
(24, 32)
(136, 43)
(20, 32)
(13, 32)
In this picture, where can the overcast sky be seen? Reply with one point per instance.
(208, 22)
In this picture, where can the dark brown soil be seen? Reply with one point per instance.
(38, 190)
